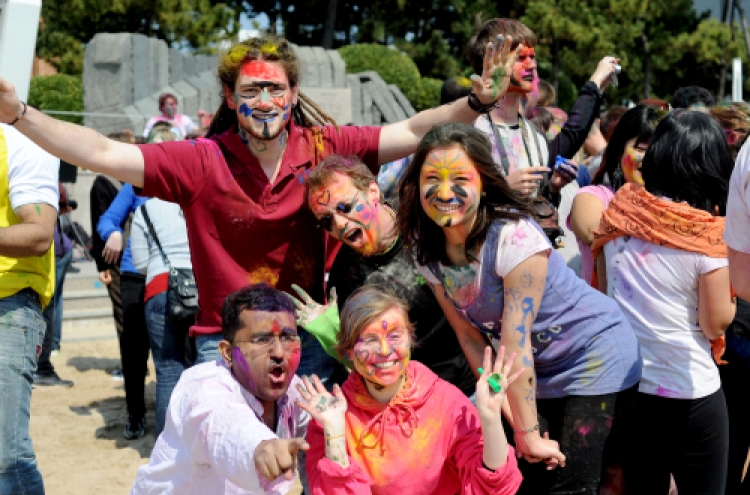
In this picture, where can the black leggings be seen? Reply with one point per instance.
(589, 430)
(134, 343)
(686, 437)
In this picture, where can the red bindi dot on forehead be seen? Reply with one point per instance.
(275, 327)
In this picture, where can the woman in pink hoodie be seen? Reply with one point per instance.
(395, 427)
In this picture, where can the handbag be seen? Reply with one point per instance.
(545, 213)
(182, 291)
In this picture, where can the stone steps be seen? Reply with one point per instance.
(85, 299)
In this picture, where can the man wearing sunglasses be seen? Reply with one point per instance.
(233, 426)
(345, 198)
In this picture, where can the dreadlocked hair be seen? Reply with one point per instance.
(269, 48)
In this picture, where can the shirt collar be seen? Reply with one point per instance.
(298, 153)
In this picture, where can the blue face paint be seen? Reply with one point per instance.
(285, 116)
(245, 110)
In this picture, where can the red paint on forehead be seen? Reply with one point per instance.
(266, 71)
(527, 52)
(276, 327)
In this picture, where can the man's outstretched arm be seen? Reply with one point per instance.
(74, 144)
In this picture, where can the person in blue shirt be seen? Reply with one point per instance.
(134, 343)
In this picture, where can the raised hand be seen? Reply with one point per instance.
(10, 106)
(604, 72)
(307, 309)
(496, 71)
(489, 401)
(327, 409)
(279, 456)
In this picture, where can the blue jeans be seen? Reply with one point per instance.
(21, 334)
(61, 266)
(168, 351)
(207, 348)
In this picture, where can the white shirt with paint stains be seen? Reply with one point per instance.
(657, 289)
(212, 429)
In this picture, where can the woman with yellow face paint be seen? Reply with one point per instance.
(394, 426)
(621, 165)
(494, 272)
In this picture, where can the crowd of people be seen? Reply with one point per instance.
(492, 296)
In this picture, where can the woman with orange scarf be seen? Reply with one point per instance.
(660, 254)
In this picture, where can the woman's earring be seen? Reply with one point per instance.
(617, 176)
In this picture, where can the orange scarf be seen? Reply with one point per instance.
(637, 213)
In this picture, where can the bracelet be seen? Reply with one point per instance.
(25, 107)
(528, 430)
(478, 106)
(328, 437)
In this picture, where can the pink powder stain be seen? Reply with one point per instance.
(584, 430)
(294, 359)
(666, 392)
(518, 236)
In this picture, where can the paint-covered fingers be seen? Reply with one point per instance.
(302, 294)
(273, 458)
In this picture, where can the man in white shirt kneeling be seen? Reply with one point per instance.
(232, 425)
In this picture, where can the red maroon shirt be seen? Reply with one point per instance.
(241, 228)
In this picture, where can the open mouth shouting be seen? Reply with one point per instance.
(354, 236)
(277, 375)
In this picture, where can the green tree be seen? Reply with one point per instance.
(59, 92)
(68, 24)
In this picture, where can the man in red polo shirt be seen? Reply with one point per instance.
(242, 189)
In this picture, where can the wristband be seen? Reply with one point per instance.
(528, 430)
(25, 107)
(478, 106)
(328, 437)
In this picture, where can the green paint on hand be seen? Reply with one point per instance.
(497, 78)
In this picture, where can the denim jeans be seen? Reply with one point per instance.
(21, 333)
(207, 348)
(61, 267)
(168, 350)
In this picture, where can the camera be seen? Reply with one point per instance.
(618, 69)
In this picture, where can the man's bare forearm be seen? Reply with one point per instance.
(24, 240)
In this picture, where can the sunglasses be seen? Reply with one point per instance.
(326, 221)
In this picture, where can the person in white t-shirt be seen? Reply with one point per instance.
(665, 264)
(168, 108)
(737, 232)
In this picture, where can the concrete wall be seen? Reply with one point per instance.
(124, 74)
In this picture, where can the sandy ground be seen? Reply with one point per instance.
(77, 432)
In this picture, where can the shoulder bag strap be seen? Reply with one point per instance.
(144, 210)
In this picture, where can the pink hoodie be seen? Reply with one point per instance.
(426, 440)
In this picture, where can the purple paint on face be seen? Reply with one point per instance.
(242, 371)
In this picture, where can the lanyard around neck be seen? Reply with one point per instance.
(523, 125)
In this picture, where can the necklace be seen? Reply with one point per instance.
(395, 240)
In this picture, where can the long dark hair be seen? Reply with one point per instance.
(689, 160)
(498, 200)
(640, 123)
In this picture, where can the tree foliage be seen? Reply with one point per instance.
(59, 92)
(68, 24)
(663, 44)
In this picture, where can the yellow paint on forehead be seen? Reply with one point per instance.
(449, 161)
